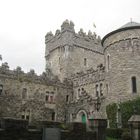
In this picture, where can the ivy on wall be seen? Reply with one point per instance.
(126, 109)
(111, 114)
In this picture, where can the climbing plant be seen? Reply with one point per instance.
(111, 114)
(127, 110)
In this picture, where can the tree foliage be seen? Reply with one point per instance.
(127, 110)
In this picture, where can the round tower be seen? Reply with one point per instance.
(122, 61)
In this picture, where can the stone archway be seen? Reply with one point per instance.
(81, 116)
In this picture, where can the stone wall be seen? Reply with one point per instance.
(85, 93)
(31, 97)
(123, 50)
(68, 52)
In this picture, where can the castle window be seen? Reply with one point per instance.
(108, 62)
(134, 84)
(83, 118)
(78, 94)
(53, 116)
(101, 89)
(52, 92)
(66, 51)
(23, 117)
(59, 60)
(72, 96)
(106, 88)
(1, 89)
(85, 62)
(54, 88)
(51, 99)
(27, 117)
(26, 114)
(67, 98)
(96, 90)
(24, 93)
(47, 98)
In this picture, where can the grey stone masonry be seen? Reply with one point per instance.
(68, 52)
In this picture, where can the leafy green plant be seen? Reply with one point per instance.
(115, 132)
(127, 110)
(126, 136)
(111, 114)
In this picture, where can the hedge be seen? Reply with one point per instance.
(115, 132)
(127, 110)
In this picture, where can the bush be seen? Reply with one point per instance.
(127, 110)
(111, 111)
(126, 136)
(115, 132)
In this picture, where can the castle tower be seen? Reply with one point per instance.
(68, 52)
(122, 61)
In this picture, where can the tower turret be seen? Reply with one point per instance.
(68, 52)
(122, 60)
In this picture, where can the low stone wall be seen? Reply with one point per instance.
(20, 134)
(16, 129)
(72, 135)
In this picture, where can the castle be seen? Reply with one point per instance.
(80, 68)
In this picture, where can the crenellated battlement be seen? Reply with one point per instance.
(126, 44)
(46, 78)
(89, 76)
(67, 36)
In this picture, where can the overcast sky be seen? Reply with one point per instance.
(24, 23)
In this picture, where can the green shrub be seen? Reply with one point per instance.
(108, 138)
(111, 114)
(126, 109)
(115, 132)
(126, 136)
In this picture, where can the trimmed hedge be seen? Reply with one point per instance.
(126, 136)
(114, 132)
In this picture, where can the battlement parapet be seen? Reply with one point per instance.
(89, 76)
(18, 74)
(67, 36)
(67, 26)
(128, 44)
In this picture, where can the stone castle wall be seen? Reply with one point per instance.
(88, 70)
(85, 93)
(31, 97)
(68, 52)
(123, 51)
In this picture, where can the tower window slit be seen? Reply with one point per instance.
(134, 84)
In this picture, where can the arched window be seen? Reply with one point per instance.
(24, 93)
(83, 118)
(72, 95)
(53, 116)
(1, 89)
(78, 93)
(107, 88)
(25, 115)
(67, 98)
(134, 84)
(59, 60)
(96, 91)
(101, 89)
(108, 62)
(85, 61)
(47, 98)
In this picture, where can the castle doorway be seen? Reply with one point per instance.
(82, 116)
